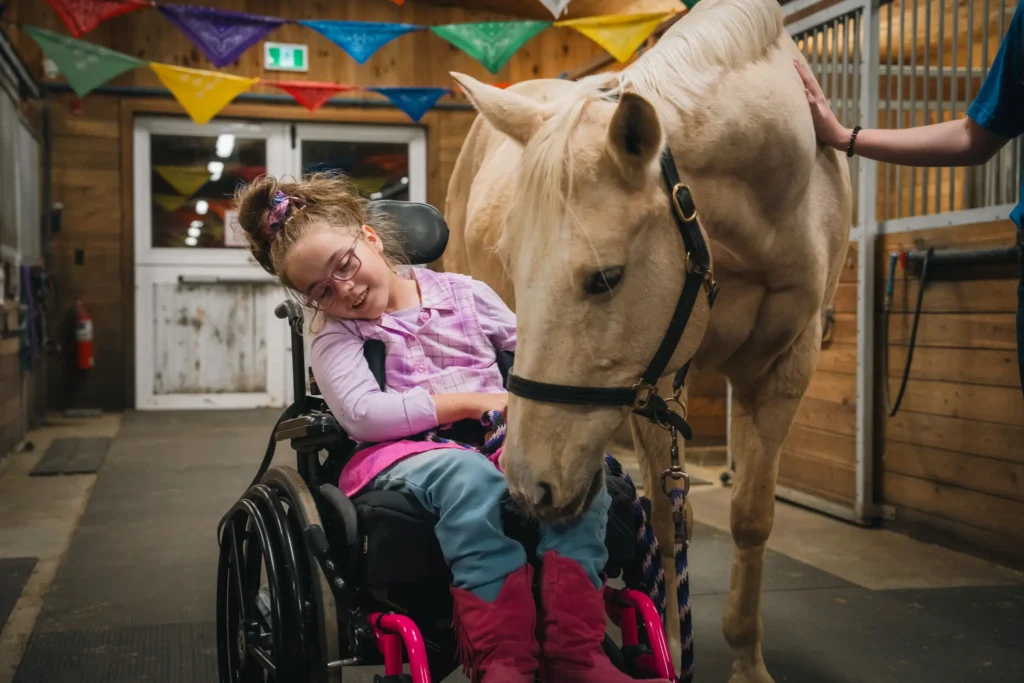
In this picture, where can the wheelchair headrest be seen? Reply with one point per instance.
(422, 228)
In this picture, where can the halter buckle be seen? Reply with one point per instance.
(675, 472)
(644, 394)
(687, 218)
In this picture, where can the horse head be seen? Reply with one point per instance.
(597, 264)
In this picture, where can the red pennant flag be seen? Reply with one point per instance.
(310, 94)
(398, 2)
(82, 16)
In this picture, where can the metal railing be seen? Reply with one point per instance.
(935, 55)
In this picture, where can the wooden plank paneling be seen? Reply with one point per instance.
(965, 296)
(959, 330)
(952, 460)
(821, 477)
(822, 444)
(952, 468)
(993, 513)
(965, 436)
(994, 367)
(839, 357)
(966, 401)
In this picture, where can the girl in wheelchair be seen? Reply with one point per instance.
(443, 333)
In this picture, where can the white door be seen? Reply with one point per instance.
(384, 162)
(205, 332)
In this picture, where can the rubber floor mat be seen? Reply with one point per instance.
(72, 456)
(14, 573)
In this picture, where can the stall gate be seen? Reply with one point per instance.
(889, 65)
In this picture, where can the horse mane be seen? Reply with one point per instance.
(714, 36)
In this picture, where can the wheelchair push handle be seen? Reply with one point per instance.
(288, 310)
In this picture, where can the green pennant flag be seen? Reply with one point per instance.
(85, 65)
(492, 43)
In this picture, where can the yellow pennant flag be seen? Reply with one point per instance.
(201, 93)
(184, 179)
(620, 34)
(170, 202)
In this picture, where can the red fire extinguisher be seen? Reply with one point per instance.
(83, 335)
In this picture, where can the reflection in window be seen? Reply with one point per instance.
(380, 170)
(192, 180)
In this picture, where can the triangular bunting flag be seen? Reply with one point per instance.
(185, 180)
(360, 38)
(309, 94)
(82, 16)
(85, 66)
(415, 102)
(619, 34)
(221, 35)
(556, 7)
(170, 202)
(201, 93)
(492, 43)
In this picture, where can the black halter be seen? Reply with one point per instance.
(643, 396)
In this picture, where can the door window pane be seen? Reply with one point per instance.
(380, 170)
(193, 179)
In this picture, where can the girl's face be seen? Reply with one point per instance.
(341, 273)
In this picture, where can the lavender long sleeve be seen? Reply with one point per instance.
(464, 325)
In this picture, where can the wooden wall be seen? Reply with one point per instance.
(819, 455)
(952, 460)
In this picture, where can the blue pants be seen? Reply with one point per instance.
(464, 489)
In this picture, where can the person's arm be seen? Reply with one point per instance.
(369, 414)
(496, 319)
(951, 143)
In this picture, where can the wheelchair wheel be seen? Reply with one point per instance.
(302, 512)
(272, 622)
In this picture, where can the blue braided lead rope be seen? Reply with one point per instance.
(648, 576)
(683, 586)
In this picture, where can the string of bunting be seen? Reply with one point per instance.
(222, 36)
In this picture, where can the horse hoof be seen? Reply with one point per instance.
(745, 673)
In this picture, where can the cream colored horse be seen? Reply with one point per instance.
(558, 182)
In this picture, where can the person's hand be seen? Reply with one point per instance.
(489, 402)
(826, 125)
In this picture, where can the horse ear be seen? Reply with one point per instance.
(634, 134)
(514, 115)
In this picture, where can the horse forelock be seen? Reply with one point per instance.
(539, 202)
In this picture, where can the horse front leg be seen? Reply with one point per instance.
(762, 414)
(652, 446)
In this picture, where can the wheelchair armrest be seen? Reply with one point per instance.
(346, 510)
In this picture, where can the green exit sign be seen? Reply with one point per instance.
(285, 57)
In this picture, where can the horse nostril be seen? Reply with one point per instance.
(546, 496)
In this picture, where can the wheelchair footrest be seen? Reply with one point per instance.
(400, 678)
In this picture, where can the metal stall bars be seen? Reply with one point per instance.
(840, 42)
(935, 56)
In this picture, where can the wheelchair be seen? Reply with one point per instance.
(310, 582)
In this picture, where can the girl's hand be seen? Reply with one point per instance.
(826, 125)
(488, 402)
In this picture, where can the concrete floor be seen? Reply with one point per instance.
(124, 587)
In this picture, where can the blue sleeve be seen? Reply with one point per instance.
(999, 106)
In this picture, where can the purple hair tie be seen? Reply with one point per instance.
(279, 212)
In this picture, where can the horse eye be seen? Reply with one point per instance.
(603, 281)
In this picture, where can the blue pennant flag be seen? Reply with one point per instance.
(415, 102)
(360, 38)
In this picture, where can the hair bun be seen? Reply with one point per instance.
(254, 202)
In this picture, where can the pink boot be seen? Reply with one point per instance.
(498, 640)
(573, 626)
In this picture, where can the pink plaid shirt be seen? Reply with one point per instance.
(449, 344)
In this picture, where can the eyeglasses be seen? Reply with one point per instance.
(344, 268)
